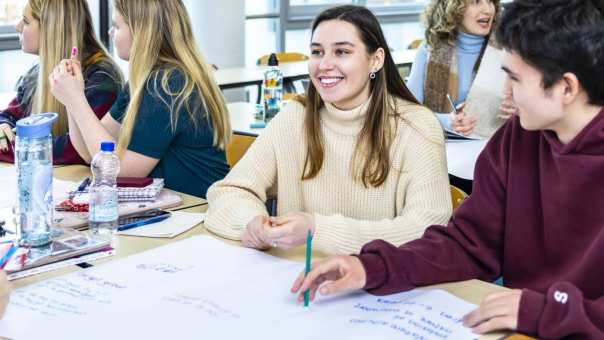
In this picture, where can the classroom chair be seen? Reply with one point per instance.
(283, 57)
(234, 151)
(415, 44)
(457, 196)
(237, 148)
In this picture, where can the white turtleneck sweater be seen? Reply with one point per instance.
(415, 194)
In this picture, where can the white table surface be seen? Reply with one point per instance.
(461, 155)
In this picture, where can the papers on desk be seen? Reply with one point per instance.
(175, 225)
(201, 287)
(462, 156)
(450, 134)
(8, 183)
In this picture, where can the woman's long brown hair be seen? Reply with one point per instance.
(371, 159)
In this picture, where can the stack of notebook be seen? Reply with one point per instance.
(125, 194)
(147, 193)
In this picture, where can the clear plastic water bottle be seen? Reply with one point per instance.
(33, 160)
(103, 209)
(272, 88)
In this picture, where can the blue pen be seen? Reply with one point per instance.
(141, 223)
(7, 256)
(307, 269)
(84, 184)
(80, 188)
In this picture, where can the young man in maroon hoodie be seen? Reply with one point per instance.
(536, 215)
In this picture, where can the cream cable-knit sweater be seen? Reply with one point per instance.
(415, 194)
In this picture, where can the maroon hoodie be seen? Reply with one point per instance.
(535, 217)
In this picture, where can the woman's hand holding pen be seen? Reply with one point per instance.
(290, 230)
(67, 82)
(462, 123)
(331, 276)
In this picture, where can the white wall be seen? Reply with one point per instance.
(219, 28)
(13, 64)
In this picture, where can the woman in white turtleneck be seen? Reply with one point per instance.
(457, 32)
(354, 159)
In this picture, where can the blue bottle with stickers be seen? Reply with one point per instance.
(103, 207)
(33, 160)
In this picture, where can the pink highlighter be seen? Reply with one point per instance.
(74, 56)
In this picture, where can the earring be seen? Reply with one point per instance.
(372, 75)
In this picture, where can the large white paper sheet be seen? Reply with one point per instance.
(203, 288)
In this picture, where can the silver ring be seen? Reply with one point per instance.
(274, 244)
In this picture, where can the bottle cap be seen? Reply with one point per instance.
(272, 60)
(107, 146)
(36, 125)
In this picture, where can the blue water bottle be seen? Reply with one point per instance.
(33, 159)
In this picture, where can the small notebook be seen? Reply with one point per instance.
(126, 194)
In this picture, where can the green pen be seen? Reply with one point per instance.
(307, 270)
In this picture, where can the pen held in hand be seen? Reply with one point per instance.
(454, 112)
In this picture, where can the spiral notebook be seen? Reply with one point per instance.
(125, 194)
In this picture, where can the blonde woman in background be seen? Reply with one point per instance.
(171, 121)
(355, 159)
(50, 29)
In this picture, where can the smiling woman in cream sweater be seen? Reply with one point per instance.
(354, 160)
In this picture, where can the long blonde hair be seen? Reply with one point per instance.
(443, 18)
(162, 37)
(63, 24)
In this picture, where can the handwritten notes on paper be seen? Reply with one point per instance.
(426, 315)
(200, 287)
